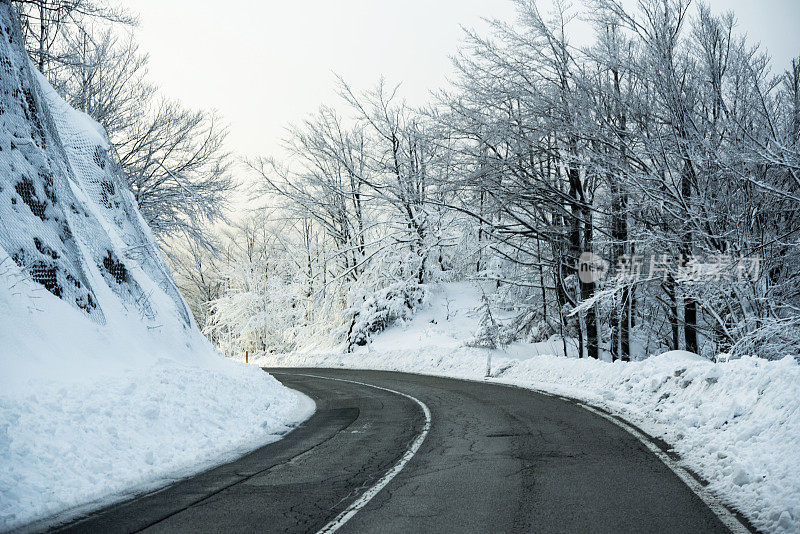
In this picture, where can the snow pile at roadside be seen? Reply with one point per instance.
(106, 385)
(90, 415)
(735, 423)
(71, 446)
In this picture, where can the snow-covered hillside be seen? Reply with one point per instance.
(106, 385)
(735, 423)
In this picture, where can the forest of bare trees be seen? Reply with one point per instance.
(668, 148)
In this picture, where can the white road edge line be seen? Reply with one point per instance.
(724, 515)
(720, 510)
(367, 496)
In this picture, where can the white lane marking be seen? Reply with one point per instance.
(367, 496)
(724, 515)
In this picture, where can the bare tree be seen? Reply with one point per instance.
(174, 158)
(44, 23)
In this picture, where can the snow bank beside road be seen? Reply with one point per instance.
(735, 423)
(96, 441)
(92, 413)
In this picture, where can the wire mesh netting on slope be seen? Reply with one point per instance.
(69, 221)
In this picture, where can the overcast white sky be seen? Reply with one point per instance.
(264, 64)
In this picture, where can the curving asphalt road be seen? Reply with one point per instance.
(496, 459)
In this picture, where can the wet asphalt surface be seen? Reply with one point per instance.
(497, 459)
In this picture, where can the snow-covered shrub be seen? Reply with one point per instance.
(381, 309)
(774, 339)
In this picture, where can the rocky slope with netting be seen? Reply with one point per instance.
(69, 221)
(107, 388)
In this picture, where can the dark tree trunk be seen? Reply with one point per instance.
(690, 327)
(690, 304)
(587, 291)
(622, 312)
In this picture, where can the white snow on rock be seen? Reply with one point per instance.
(736, 423)
(106, 386)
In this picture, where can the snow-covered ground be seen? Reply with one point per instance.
(107, 388)
(89, 415)
(735, 423)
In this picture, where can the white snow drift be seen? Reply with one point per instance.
(106, 386)
(736, 423)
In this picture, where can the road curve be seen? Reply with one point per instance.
(496, 459)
